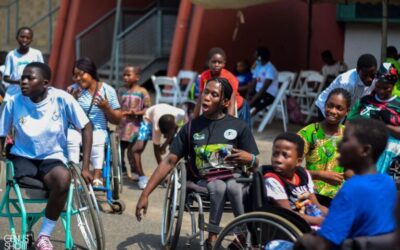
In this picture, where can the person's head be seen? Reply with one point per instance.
(35, 79)
(366, 68)
(327, 57)
(216, 61)
(262, 55)
(85, 72)
(385, 78)
(391, 52)
(287, 153)
(131, 75)
(167, 125)
(337, 105)
(242, 66)
(215, 97)
(363, 142)
(24, 37)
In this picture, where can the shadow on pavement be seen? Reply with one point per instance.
(141, 241)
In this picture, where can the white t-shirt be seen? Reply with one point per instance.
(154, 113)
(334, 69)
(41, 128)
(264, 72)
(349, 81)
(14, 66)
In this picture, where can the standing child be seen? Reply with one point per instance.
(216, 64)
(17, 59)
(289, 184)
(320, 149)
(134, 101)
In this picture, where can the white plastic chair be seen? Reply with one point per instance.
(297, 87)
(287, 76)
(190, 77)
(167, 90)
(312, 87)
(279, 103)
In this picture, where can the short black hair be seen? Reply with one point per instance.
(327, 54)
(215, 51)
(167, 123)
(371, 132)
(366, 61)
(263, 52)
(87, 65)
(342, 92)
(136, 69)
(226, 87)
(44, 69)
(24, 28)
(293, 138)
(391, 51)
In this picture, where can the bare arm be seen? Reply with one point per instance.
(261, 91)
(9, 80)
(157, 152)
(159, 174)
(87, 141)
(310, 219)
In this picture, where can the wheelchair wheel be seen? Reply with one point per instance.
(254, 230)
(116, 165)
(87, 217)
(173, 209)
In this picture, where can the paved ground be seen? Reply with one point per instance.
(124, 232)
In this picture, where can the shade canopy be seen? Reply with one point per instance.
(229, 4)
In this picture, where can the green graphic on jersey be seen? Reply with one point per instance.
(212, 156)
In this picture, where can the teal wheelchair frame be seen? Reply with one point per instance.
(78, 204)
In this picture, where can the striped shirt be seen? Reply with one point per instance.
(97, 116)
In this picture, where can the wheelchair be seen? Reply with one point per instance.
(112, 174)
(259, 226)
(79, 210)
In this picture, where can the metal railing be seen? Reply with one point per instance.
(148, 38)
(11, 13)
(98, 36)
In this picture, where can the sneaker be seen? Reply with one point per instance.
(43, 243)
(134, 177)
(142, 181)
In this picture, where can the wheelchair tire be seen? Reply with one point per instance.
(116, 166)
(254, 230)
(174, 206)
(88, 219)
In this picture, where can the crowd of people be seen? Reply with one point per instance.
(343, 190)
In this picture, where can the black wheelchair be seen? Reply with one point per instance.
(252, 230)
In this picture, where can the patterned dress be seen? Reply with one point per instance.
(137, 100)
(389, 112)
(321, 155)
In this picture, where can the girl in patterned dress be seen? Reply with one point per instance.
(320, 147)
(134, 101)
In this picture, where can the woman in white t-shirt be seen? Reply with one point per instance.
(100, 103)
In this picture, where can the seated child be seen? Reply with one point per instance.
(289, 184)
(384, 106)
(320, 146)
(244, 76)
(365, 204)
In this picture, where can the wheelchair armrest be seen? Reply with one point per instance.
(244, 180)
(384, 241)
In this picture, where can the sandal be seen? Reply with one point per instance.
(97, 183)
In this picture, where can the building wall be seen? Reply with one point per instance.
(366, 38)
(281, 26)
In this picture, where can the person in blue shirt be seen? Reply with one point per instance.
(244, 76)
(365, 205)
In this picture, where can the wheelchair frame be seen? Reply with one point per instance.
(112, 174)
(78, 203)
(177, 201)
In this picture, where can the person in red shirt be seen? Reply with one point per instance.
(216, 64)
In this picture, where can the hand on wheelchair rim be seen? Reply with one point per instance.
(87, 176)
